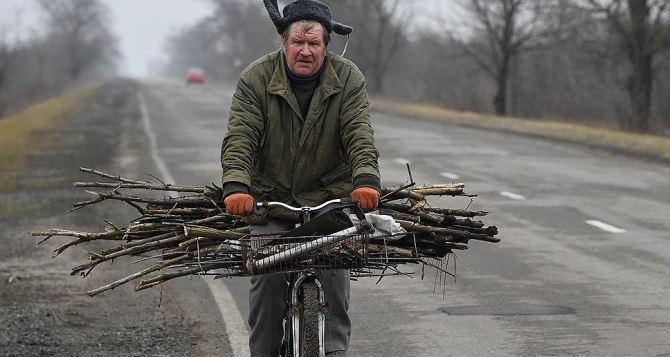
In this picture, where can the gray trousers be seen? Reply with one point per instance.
(267, 307)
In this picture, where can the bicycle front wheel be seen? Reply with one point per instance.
(311, 336)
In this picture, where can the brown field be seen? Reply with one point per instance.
(648, 146)
(33, 131)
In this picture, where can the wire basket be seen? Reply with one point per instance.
(363, 255)
(265, 254)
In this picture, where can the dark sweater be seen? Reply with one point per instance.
(303, 88)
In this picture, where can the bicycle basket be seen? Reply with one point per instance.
(268, 253)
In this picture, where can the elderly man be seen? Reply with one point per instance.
(299, 132)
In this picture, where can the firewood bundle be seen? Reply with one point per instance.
(189, 233)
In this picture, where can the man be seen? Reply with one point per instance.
(299, 132)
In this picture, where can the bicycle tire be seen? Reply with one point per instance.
(311, 308)
(287, 342)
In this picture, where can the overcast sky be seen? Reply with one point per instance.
(141, 25)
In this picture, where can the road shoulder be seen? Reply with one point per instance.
(44, 310)
(639, 145)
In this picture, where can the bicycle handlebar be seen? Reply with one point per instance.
(301, 209)
(306, 211)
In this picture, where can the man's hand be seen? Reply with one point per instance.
(367, 198)
(239, 204)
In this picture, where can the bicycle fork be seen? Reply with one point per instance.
(297, 313)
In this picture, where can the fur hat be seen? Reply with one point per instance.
(304, 10)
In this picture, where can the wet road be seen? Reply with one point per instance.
(583, 268)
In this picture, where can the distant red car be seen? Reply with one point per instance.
(195, 75)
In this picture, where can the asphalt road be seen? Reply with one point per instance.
(583, 267)
(43, 310)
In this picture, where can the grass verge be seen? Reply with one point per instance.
(649, 146)
(31, 131)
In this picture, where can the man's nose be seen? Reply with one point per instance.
(304, 50)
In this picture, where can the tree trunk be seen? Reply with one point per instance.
(2, 98)
(500, 100)
(639, 84)
(639, 92)
(376, 84)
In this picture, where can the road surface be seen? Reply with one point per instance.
(583, 267)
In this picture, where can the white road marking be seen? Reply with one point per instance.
(153, 145)
(605, 227)
(449, 175)
(512, 195)
(236, 329)
(400, 160)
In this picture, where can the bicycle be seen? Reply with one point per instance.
(321, 227)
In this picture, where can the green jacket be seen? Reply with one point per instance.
(282, 156)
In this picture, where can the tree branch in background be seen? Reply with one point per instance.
(380, 29)
(506, 28)
(81, 30)
(76, 46)
(641, 26)
(555, 59)
(7, 58)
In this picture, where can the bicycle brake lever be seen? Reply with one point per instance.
(365, 226)
(257, 206)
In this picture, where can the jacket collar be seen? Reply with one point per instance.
(329, 82)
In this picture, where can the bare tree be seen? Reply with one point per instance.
(643, 31)
(244, 33)
(77, 45)
(379, 31)
(240, 31)
(503, 30)
(192, 46)
(81, 29)
(224, 43)
(7, 56)
(547, 58)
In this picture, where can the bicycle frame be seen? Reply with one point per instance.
(305, 276)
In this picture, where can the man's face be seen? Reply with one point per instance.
(305, 49)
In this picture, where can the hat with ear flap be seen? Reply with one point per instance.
(304, 10)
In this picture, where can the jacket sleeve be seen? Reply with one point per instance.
(245, 128)
(356, 130)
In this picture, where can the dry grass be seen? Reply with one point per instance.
(31, 131)
(651, 146)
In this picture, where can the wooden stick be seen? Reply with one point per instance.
(456, 212)
(144, 284)
(127, 251)
(411, 226)
(81, 237)
(438, 190)
(135, 243)
(111, 176)
(164, 202)
(199, 231)
(158, 266)
(445, 211)
(145, 186)
(406, 193)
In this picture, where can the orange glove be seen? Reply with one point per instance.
(239, 204)
(367, 198)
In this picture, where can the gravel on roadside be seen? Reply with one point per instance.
(43, 310)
